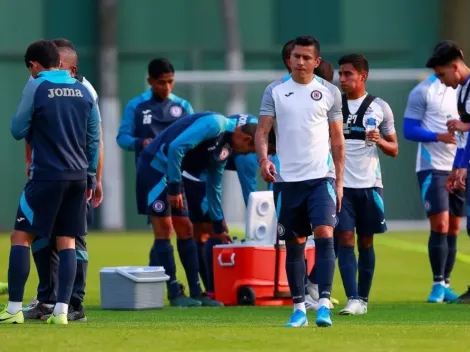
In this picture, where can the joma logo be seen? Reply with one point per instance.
(64, 92)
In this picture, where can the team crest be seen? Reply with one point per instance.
(280, 230)
(176, 111)
(427, 206)
(316, 95)
(224, 153)
(158, 206)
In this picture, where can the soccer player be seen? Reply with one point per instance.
(146, 115)
(305, 111)
(45, 252)
(60, 120)
(325, 70)
(449, 66)
(246, 167)
(199, 144)
(430, 105)
(362, 210)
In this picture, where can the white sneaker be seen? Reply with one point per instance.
(354, 307)
(310, 303)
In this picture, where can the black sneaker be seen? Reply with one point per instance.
(33, 312)
(464, 298)
(75, 314)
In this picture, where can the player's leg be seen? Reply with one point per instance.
(436, 203)
(290, 198)
(76, 309)
(34, 218)
(321, 203)
(345, 235)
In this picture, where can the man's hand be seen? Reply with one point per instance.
(223, 237)
(146, 142)
(268, 170)
(89, 194)
(451, 181)
(176, 201)
(339, 196)
(447, 138)
(460, 179)
(457, 125)
(373, 136)
(98, 195)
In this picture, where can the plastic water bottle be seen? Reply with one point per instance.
(370, 126)
(243, 241)
(459, 136)
(234, 239)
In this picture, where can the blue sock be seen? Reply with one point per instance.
(201, 255)
(18, 272)
(325, 262)
(163, 254)
(437, 249)
(348, 269)
(295, 269)
(67, 271)
(366, 271)
(189, 258)
(336, 246)
(211, 242)
(451, 254)
(42, 258)
(79, 284)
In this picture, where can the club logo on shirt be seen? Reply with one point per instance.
(280, 230)
(176, 111)
(64, 92)
(224, 153)
(158, 206)
(316, 95)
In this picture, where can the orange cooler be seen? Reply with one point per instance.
(245, 274)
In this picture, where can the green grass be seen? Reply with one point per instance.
(398, 318)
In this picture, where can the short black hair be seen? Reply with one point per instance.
(286, 51)
(325, 70)
(43, 51)
(444, 53)
(358, 61)
(64, 43)
(250, 129)
(159, 66)
(307, 41)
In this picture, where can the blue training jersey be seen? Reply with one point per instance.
(146, 116)
(59, 119)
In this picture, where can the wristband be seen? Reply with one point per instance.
(262, 161)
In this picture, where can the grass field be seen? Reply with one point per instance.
(398, 318)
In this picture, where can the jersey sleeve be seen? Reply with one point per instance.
(125, 138)
(335, 113)
(93, 145)
(204, 128)
(214, 196)
(416, 104)
(268, 107)
(247, 167)
(387, 127)
(188, 108)
(21, 121)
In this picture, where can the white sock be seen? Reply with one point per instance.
(324, 302)
(443, 283)
(61, 308)
(300, 306)
(14, 307)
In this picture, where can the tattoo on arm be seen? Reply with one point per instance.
(265, 124)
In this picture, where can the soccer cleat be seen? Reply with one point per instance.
(437, 294)
(207, 301)
(297, 320)
(7, 318)
(310, 303)
(60, 319)
(334, 301)
(32, 304)
(464, 298)
(3, 288)
(37, 311)
(184, 301)
(74, 314)
(354, 307)
(323, 319)
(450, 296)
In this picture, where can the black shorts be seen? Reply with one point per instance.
(197, 200)
(53, 208)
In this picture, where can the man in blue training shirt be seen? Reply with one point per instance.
(59, 119)
(199, 144)
(246, 167)
(146, 115)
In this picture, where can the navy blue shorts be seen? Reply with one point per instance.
(53, 208)
(435, 197)
(152, 194)
(302, 206)
(362, 211)
(197, 200)
(90, 213)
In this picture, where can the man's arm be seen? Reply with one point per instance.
(187, 107)
(214, 196)
(125, 138)
(21, 121)
(205, 128)
(389, 143)
(93, 145)
(265, 123)
(99, 170)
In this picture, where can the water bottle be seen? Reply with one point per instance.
(370, 126)
(234, 239)
(459, 136)
(243, 241)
